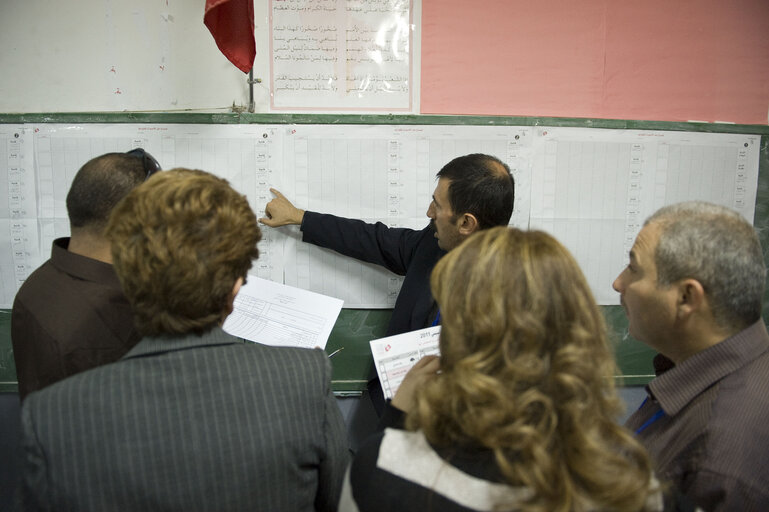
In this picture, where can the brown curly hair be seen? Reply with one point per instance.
(527, 371)
(179, 242)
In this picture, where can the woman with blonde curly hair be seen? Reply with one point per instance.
(518, 413)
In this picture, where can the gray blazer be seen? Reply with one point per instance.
(196, 423)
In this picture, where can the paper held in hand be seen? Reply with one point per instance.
(283, 316)
(395, 355)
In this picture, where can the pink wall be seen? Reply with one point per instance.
(668, 60)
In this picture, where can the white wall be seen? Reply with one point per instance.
(59, 56)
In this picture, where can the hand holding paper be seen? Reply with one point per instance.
(275, 314)
(395, 355)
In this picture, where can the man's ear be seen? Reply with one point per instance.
(468, 224)
(231, 298)
(690, 297)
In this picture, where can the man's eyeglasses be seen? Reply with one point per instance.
(151, 166)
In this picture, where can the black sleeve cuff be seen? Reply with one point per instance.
(392, 417)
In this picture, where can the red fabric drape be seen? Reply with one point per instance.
(231, 22)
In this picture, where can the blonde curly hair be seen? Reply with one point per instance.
(527, 372)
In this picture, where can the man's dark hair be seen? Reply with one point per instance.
(481, 185)
(99, 185)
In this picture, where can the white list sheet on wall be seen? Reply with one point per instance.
(594, 188)
(18, 227)
(245, 156)
(383, 173)
(591, 188)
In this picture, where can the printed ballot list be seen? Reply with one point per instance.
(282, 316)
(590, 188)
(394, 356)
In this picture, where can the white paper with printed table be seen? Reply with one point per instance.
(275, 314)
(395, 355)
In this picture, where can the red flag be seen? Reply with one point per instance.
(231, 22)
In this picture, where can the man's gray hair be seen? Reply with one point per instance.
(720, 249)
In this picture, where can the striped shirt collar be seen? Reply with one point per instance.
(675, 388)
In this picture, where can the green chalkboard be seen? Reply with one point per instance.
(353, 365)
(354, 328)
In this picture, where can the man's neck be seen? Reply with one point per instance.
(86, 243)
(699, 336)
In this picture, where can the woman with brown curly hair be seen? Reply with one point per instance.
(518, 413)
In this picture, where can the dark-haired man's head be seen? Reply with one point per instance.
(98, 186)
(474, 192)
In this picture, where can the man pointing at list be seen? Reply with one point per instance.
(474, 192)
